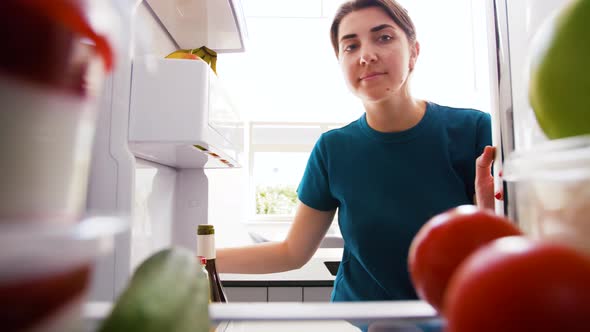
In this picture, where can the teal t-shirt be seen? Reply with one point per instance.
(386, 186)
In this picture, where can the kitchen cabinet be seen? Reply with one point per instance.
(279, 294)
(285, 294)
(246, 294)
(317, 294)
(311, 283)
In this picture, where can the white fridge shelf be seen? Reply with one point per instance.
(366, 312)
(217, 24)
(181, 115)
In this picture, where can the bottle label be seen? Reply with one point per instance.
(206, 246)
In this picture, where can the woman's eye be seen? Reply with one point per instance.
(350, 48)
(385, 38)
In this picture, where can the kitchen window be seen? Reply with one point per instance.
(278, 153)
(289, 87)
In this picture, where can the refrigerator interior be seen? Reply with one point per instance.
(164, 203)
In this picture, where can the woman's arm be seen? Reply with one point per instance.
(307, 231)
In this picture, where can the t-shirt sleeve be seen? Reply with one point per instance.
(314, 189)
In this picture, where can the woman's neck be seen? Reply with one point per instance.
(395, 114)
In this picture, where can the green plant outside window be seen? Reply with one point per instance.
(277, 200)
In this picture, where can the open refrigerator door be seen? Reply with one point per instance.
(544, 174)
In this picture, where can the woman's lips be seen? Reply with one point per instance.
(370, 76)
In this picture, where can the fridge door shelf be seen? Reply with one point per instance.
(181, 115)
(182, 155)
(217, 24)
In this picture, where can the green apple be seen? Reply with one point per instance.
(559, 87)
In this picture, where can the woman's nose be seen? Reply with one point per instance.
(367, 56)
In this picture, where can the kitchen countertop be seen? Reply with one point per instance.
(312, 274)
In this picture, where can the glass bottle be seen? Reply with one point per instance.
(206, 248)
(203, 272)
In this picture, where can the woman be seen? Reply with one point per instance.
(387, 173)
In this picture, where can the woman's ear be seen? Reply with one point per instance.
(414, 52)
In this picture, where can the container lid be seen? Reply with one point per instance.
(36, 248)
(205, 230)
(560, 159)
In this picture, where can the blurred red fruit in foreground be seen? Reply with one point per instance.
(516, 284)
(445, 241)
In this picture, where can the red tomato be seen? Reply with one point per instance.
(517, 284)
(445, 241)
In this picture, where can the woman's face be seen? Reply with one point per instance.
(375, 54)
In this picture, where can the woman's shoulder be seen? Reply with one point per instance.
(459, 113)
(335, 135)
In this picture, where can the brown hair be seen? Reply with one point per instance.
(398, 13)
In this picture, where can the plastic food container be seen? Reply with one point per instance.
(52, 69)
(45, 271)
(552, 186)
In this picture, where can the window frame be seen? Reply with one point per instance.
(299, 131)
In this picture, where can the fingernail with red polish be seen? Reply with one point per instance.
(500, 174)
(498, 195)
